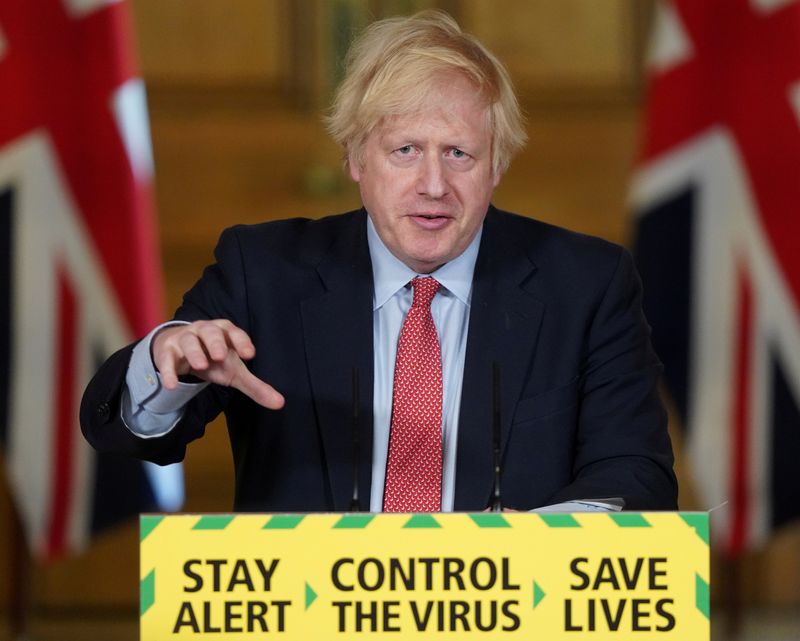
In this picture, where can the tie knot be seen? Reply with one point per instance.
(424, 291)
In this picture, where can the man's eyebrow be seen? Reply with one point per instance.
(399, 140)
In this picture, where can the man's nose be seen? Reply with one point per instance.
(432, 179)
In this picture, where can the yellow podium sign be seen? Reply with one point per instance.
(320, 577)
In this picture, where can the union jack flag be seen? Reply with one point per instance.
(717, 194)
(79, 268)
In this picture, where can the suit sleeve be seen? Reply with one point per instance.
(102, 424)
(622, 446)
(220, 293)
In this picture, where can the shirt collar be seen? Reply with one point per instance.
(390, 274)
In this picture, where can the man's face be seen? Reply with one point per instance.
(426, 178)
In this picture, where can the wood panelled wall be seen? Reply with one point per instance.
(549, 46)
(570, 45)
(212, 43)
(225, 154)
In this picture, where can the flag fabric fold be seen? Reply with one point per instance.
(716, 194)
(79, 266)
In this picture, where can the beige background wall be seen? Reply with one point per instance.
(235, 88)
(549, 46)
(567, 45)
(211, 42)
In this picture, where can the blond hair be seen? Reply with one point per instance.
(395, 63)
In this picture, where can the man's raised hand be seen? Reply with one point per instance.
(215, 351)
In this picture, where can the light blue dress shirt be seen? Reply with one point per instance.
(450, 311)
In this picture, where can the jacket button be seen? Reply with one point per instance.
(103, 411)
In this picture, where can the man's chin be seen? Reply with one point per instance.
(426, 263)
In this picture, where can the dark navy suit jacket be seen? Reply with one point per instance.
(558, 311)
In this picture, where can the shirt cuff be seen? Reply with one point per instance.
(148, 409)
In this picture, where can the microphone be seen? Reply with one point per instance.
(354, 500)
(497, 503)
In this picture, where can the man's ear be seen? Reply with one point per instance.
(497, 175)
(353, 166)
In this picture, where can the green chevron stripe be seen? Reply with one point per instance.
(422, 521)
(702, 596)
(214, 522)
(538, 594)
(353, 521)
(283, 522)
(698, 521)
(148, 523)
(489, 519)
(559, 520)
(311, 596)
(629, 519)
(147, 592)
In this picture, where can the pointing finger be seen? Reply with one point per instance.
(256, 389)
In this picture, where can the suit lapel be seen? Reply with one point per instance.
(337, 329)
(504, 323)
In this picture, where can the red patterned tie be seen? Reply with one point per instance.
(414, 466)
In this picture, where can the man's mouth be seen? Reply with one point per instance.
(431, 221)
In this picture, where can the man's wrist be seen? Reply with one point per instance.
(144, 381)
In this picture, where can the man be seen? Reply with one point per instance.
(421, 293)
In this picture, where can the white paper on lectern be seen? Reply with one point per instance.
(614, 504)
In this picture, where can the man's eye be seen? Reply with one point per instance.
(457, 153)
(406, 149)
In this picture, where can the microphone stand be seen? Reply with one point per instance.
(497, 503)
(354, 500)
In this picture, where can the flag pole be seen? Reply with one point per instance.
(19, 576)
(732, 595)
